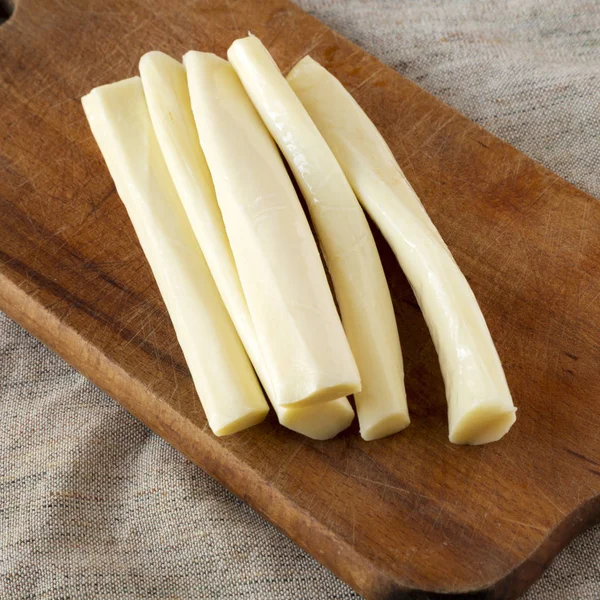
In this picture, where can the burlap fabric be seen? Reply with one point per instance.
(93, 505)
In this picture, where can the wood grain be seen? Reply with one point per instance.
(408, 516)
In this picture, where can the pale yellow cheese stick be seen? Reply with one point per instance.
(480, 407)
(299, 333)
(166, 89)
(226, 383)
(344, 234)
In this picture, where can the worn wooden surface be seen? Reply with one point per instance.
(392, 517)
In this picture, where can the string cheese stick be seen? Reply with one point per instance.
(480, 407)
(344, 234)
(226, 383)
(166, 89)
(297, 326)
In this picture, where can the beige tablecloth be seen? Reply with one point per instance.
(93, 505)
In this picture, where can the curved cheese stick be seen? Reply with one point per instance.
(228, 388)
(299, 332)
(166, 89)
(480, 407)
(344, 234)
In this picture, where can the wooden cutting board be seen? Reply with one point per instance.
(394, 518)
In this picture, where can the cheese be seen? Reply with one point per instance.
(226, 383)
(299, 332)
(345, 237)
(480, 407)
(166, 89)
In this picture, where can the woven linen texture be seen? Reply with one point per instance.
(94, 505)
